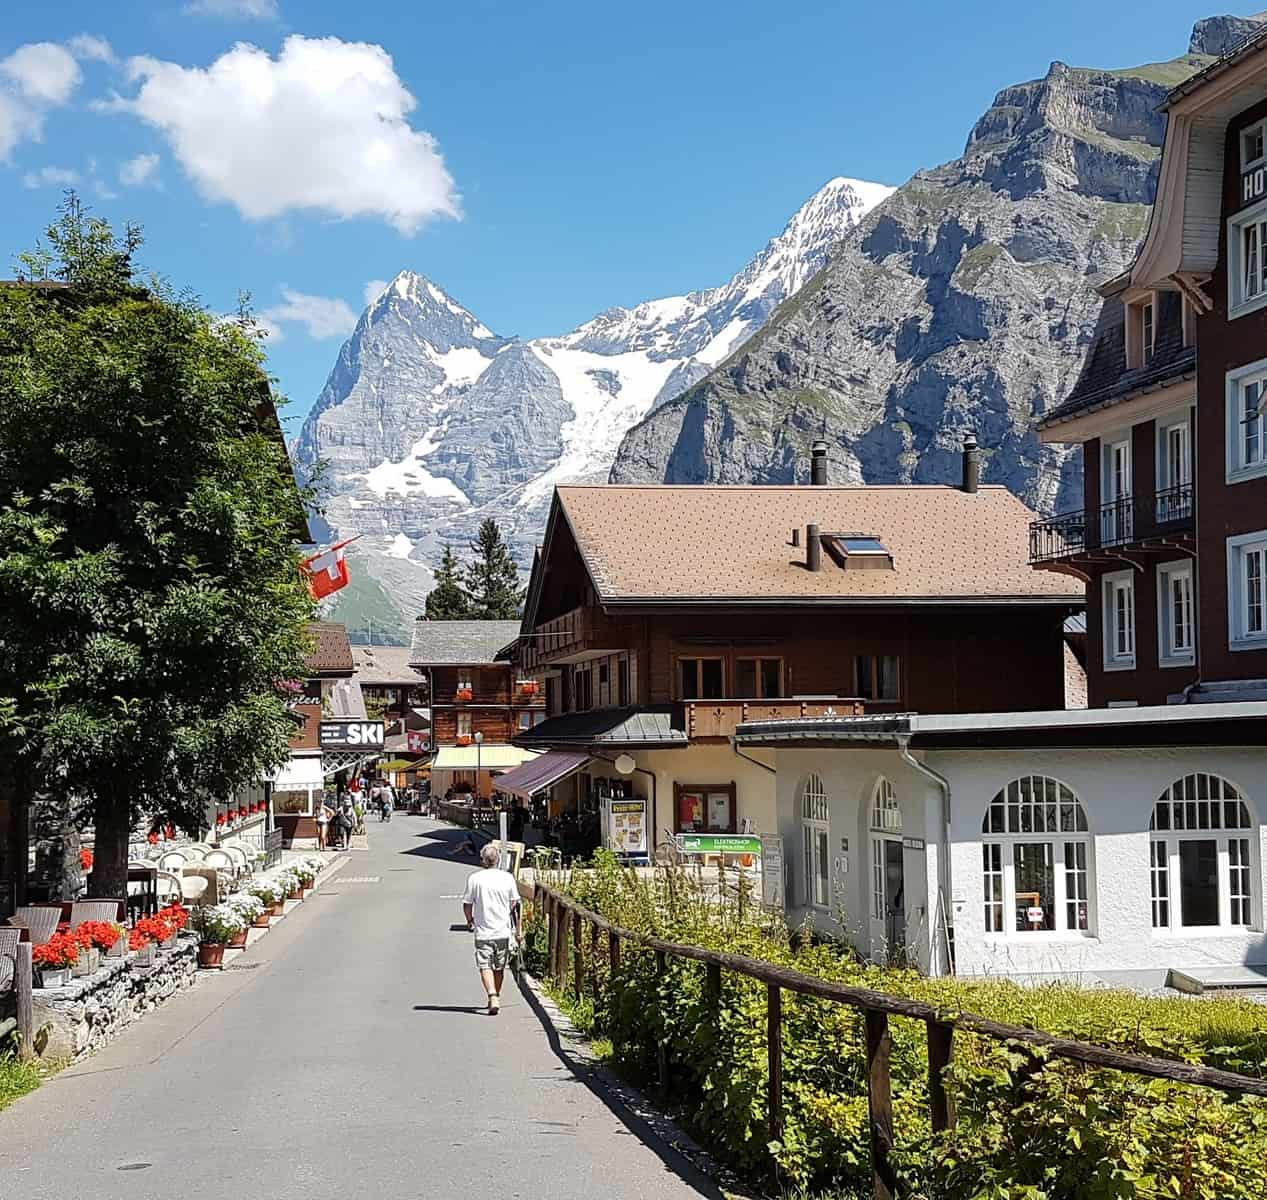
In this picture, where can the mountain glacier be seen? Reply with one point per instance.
(429, 422)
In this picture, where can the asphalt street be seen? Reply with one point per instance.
(347, 1054)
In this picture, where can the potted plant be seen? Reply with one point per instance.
(215, 924)
(177, 916)
(54, 959)
(159, 929)
(465, 693)
(252, 909)
(291, 885)
(105, 937)
(307, 877)
(142, 947)
(269, 897)
(89, 958)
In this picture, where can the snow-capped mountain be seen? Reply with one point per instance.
(429, 422)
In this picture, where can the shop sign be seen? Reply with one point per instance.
(772, 883)
(718, 843)
(1253, 185)
(913, 843)
(352, 735)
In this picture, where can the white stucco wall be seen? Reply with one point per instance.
(1118, 789)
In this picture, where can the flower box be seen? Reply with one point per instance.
(144, 956)
(463, 740)
(53, 977)
(464, 694)
(169, 943)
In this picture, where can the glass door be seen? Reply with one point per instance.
(1116, 525)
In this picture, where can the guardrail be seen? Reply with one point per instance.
(563, 912)
(1113, 524)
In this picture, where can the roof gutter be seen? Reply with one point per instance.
(671, 603)
(943, 855)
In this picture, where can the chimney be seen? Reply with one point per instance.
(796, 535)
(818, 464)
(971, 464)
(813, 548)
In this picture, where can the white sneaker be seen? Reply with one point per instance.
(494, 1005)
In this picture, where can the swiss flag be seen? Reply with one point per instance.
(327, 572)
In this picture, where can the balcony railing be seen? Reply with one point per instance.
(1117, 523)
(719, 718)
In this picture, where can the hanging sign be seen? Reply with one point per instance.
(352, 735)
(717, 843)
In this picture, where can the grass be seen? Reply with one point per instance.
(364, 604)
(1122, 221)
(18, 1078)
(1169, 74)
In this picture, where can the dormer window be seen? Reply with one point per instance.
(1252, 145)
(858, 551)
(1141, 331)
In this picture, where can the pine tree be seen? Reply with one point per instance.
(448, 601)
(493, 579)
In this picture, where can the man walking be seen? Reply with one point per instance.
(495, 915)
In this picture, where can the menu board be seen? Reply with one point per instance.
(627, 832)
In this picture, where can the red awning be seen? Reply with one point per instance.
(541, 773)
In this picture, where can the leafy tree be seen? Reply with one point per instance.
(448, 601)
(493, 579)
(150, 597)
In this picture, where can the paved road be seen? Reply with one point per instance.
(353, 1062)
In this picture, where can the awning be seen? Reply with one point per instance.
(489, 757)
(552, 767)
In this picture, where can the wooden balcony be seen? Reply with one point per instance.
(719, 718)
(577, 634)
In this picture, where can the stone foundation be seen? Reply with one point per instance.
(74, 1021)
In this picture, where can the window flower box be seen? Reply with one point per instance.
(464, 694)
(53, 977)
(463, 739)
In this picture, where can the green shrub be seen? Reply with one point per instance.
(1029, 1127)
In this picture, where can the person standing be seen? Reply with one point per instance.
(347, 822)
(495, 915)
(323, 815)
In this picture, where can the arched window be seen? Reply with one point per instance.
(1200, 861)
(815, 874)
(885, 813)
(1036, 859)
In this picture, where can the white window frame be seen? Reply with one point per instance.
(886, 825)
(1235, 845)
(1238, 469)
(1239, 550)
(815, 844)
(1078, 868)
(1139, 347)
(1166, 426)
(1168, 653)
(1237, 302)
(1117, 523)
(1259, 127)
(1110, 586)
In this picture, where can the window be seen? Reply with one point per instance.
(1043, 882)
(529, 719)
(1247, 590)
(1146, 329)
(582, 688)
(464, 724)
(1118, 510)
(622, 683)
(554, 701)
(1246, 446)
(294, 802)
(886, 852)
(815, 874)
(1199, 855)
(604, 684)
(1175, 633)
(1251, 145)
(1174, 472)
(759, 678)
(855, 551)
(701, 678)
(876, 676)
(1119, 621)
(886, 815)
(1247, 266)
(465, 682)
(705, 809)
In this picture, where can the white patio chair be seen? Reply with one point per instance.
(241, 861)
(172, 860)
(196, 851)
(41, 919)
(170, 888)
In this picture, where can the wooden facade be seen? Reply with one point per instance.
(486, 698)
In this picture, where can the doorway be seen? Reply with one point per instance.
(888, 891)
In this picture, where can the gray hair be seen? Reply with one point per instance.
(491, 854)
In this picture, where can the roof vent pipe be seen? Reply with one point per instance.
(813, 548)
(971, 464)
(818, 464)
(796, 535)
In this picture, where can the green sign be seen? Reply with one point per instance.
(718, 843)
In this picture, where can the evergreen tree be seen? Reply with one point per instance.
(448, 601)
(493, 579)
(151, 604)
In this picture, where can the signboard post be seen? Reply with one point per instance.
(772, 882)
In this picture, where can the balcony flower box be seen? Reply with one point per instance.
(464, 694)
(463, 740)
(529, 687)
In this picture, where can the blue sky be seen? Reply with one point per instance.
(540, 161)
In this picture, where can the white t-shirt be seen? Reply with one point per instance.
(492, 893)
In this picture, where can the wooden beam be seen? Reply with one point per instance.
(774, 1059)
(940, 1051)
(880, 1104)
(23, 981)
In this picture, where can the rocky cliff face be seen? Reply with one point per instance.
(429, 422)
(964, 302)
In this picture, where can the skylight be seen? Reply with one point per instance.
(861, 544)
(854, 550)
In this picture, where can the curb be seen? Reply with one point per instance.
(574, 1048)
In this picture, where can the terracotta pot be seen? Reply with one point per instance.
(211, 955)
(261, 922)
(238, 940)
(297, 894)
(278, 910)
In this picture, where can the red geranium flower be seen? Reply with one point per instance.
(153, 839)
(85, 860)
(137, 940)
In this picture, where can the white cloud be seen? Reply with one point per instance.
(139, 170)
(374, 289)
(90, 46)
(251, 10)
(17, 123)
(323, 127)
(50, 177)
(322, 316)
(43, 72)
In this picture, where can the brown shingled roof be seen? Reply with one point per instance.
(684, 544)
(333, 654)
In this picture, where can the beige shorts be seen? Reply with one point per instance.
(492, 955)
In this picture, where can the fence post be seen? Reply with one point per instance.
(662, 1049)
(712, 988)
(613, 954)
(578, 962)
(880, 1104)
(594, 961)
(774, 1054)
(23, 982)
(552, 922)
(940, 1051)
(561, 975)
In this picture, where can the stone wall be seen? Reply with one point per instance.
(74, 1021)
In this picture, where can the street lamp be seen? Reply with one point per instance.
(479, 741)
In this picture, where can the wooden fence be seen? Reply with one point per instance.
(565, 916)
(23, 1020)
